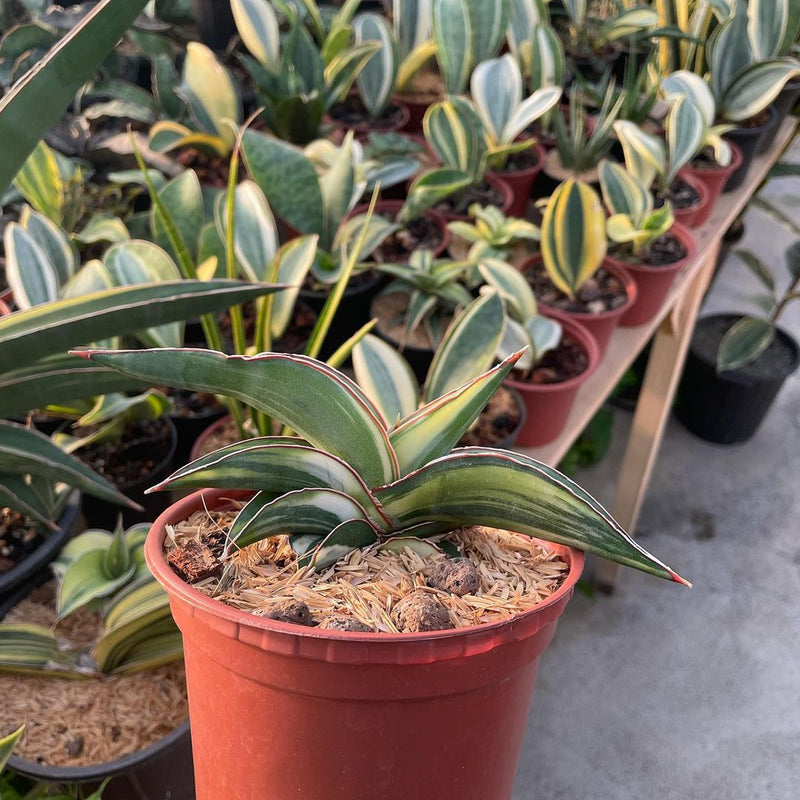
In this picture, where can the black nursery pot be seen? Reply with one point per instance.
(189, 427)
(749, 141)
(215, 22)
(783, 105)
(29, 573)
(729, 407)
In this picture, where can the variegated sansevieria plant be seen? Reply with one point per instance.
(542, 58)
(493, 234)
(573, 236)
(353, 479)
(634, 221)
(497, 92)
(455, 131)
(412, 21)
(377, 78)
(104, 572)
(588, 33)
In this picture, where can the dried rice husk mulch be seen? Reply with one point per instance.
(516, 573)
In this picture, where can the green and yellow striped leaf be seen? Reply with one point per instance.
(86, 579)
(623, 193)
(512, 286)
(182, 199)
(452, 32)
(645, 154)
(429, 189)
(342, 70)
(289, 268)
(767, 22)
(53, 240)
(496, 90)
(352, 534)
(752, 90)
(33, 650)
(524, 16)
(488, 23)
(573, 235)
(7, 745)
(29, 270)
(518, 494)
(40, 182)
(543, 58)
(377, 78)
(630, 22)
(259, 29)
(455, 132)
(686, 132)
(688, 84)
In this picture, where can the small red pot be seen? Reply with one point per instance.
(521, 182)
(688, 217)
(714, 179)
(5, 309)
(393, 207)
(602, 325)
(279, 710)
(416, 112)
(493, 180)
(653, 283)
(548, 405)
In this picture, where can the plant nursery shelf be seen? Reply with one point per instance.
(671, 331)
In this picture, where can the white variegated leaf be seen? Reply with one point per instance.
(376, 81)
(688, 84)
(496, 89)
(29, 271)
(259, 30)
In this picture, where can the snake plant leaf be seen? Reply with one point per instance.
(152, 651)
(289, 268)
(33, 650)
(101, 229)
(352, 534)
(24, 451)
(143, 597)
(686, 129)
(397, 544)
(377, 78)
(686, 83)
(512, 287)
(54, 241)
(210, 94)
(645, 154)
(488, 26)
(26, 336)
(86, 579)
(56, 380)
(429, 189)
(413, 24)
(517, 494)
(729, 50)
(255, 234)
(468, 347)
(543, 57)
(767, 22)
(455, 132)
(337, 186)
(524, 15)
(287, 179)
(272, 465)
(167, 135)
(182, 198)
(7, 745)
(386, 378)
(164, 83)
(343, 69)
(629, 22)
(452, 32)
(29, 270)
(303, 511)
(751, 91)
(259, 29)
(573, 235)
(545, 335)
(324, 407)
(744, 342)
(21, 496)
(623, 193)
(378, 229)
(39, 98)
(117, 560)
(79, 546)
(434, 429)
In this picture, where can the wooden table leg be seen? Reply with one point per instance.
(664, 368)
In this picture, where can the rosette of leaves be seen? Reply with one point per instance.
(634, 221)
(540, 53)
(493, 234)
(104, 572)
(353, 479)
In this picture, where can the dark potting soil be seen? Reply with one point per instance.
(352, 111)
(755, 122)
(357, 280)
(422, 233)
(484, 194)
(524, 160)
(495, 423)
(666, 250)
(143, 446)
(602, 292)
(777, 359)
(192, 404)
(705, 159)
(681, 195)
(211, 170)
(17, 539)
(567, 361)
(297, 332)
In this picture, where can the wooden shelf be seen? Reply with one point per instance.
(627, 343)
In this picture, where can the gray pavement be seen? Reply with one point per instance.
(659, 691)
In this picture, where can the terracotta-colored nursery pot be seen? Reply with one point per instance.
(548, 405)
(493, 180)
(689, 217)
(653, 283)
(601, 325)
(194, 453)
(521, 182)
(714, 179)
(4, 308)
(281, 711)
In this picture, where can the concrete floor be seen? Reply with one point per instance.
(659, 691)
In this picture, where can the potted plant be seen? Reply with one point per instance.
(560, 355)
(492, 235)
(362, 486)
(103, 617)
(496, 90)
(647, 242)
(572, 274)
(737, 365)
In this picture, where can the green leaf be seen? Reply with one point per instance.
(53, 327)
(85, 580)
(767, 25)
(488, 26)
(258, 27)
(686, 132)
(7, 745)
(512, 286)
(289, 268)
(324, 407)
(182, 199)
(623, 193)
(452, 33)
(33, 650)
(79, 546)
(544, 57)
(101, 228)
(645, 155)
(753, 89)
(29, 270)
(343, 70)
(376, 80)
(338, 186)
(758, 268)
(744, 342)
(40, 182)
(516, 494)
(455, 132)
(429, 189)
(39, 98)
(792, 255)
(350, 535)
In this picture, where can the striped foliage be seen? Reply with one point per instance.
(573, 235)
(259, 29)
(454, 130)
(452, 32)
(685, 128)
(543, 58)
(377, 78)
(524, 15)
(413, 24)
(645, 154)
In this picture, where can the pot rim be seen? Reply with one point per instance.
(576, 331)
(736, 161)
(684, 235)
(504, 174)
(209, 498)
(493, 179)
(704, 197)
(366, 127)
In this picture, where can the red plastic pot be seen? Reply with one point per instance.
(195, 452)
(548, 405)
(602, 325)
(493, 180)
(416, 112)
(653, 283)
(692, 216)
(281, 711)
(714, 179)
(5, 310)
(521, 182)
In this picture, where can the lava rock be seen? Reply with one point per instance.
(420, 611)
(457, 576)
(195, 562)
(293, 611)
(343, 622)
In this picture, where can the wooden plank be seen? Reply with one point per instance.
(627, 343)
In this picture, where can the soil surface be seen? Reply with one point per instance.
(602, 292)
(193, 404)
(757, 121)
(497, 421)
(522, 161)
(666, 250)
(426, 87)
(131, 460)
(484, 194)
(17, 539)
(567, 361)
(705, 159)
(681, 195)
(293, 340)
(352, 112)
(777, 359)
(391, 310)
(422, 233)
(211, 170)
